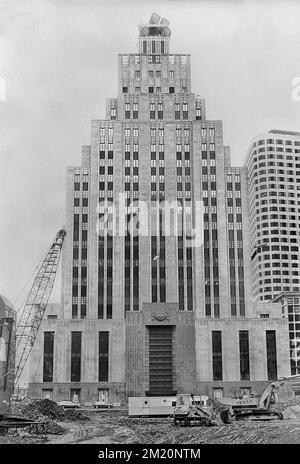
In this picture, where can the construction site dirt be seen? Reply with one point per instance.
(103, 427)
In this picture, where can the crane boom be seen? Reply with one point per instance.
(36, 304)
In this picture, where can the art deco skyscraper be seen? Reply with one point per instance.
(145, 312)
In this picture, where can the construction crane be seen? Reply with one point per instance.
(36, 304)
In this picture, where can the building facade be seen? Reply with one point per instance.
(157, 291)
(273, 165)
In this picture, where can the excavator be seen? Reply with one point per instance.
(226, 410)
(256, 408)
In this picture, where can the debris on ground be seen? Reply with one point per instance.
(75, 415)
(45, 407)
(126, 435)
(292, 412)
(281, 406)
(290, 409)
(36, 409)
(49, 412)
(115, 427)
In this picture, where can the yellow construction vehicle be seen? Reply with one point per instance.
(187, 412)
(255, 408)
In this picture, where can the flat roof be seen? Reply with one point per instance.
(283, 132)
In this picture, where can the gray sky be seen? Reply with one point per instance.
(59, 63)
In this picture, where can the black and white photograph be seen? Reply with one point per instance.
(150, 220)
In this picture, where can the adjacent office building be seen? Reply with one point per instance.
(145, 310)
(273, 165)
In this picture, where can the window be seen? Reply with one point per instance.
(125, 89)
(103, 395)
(160, 340)
(244, 355)
(151, 89)
(75, 395)
(103, 356)
(127, 110)
(171, 89)
(217, 354)
(218, 392)
(245, 392)
(271, 354)
(152, 110)
(47, 393)
(75, 356)
(48, 356)
(171, 74)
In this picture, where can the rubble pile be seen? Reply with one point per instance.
(74, 415)
(281, 407)
(49, 412)
(290, 409)
(43, 411)
(36, 409)
(46, 408)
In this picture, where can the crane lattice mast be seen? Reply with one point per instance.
(36, 304)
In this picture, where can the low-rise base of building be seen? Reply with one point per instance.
(87, 392)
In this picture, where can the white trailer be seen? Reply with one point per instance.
(156, 405)
(151, 405)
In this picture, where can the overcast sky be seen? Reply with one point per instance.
(58, 60)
